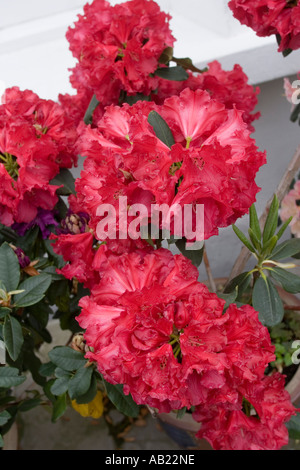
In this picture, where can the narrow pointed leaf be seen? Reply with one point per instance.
(272, 221)
(254, 222)
(243, 238)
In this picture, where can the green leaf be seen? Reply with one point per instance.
(4, 417)
(269, 247)
(66, 179)
(9, 268)
(28, 405)
(243, 238)
(60, 386)
(289, 281)
(161, 128)
(67, 358)
(4, 311)
(131, 100)
(266, 301)
(176, 74)
(295, 113)
(1, 441)
(195, 256)
(255, 241)
(80, 383)
(187, 64)
(47, 369)
(294, 427)
(229, 298)
(166, 56)
(88, 118)
(286, 249)
(124, 403)
(254, 222)
(9, 377)
(90, 394)
(180, 413)
(59, 407)
(242, 281)
(13, 336)
(34, 290)
(272, 221)
(284, 227)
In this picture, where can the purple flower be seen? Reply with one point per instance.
(43, 220)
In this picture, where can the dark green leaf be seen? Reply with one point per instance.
(90, 394)
(284, 227)
(289, 281)
(34, 290)
(242, 281)
(13, 336)
(295, 113)
(229, 298)
(294, 427)
(4, 417)
(28, 405)
(67, 358)
(166, 56)
(88, 118)
(255, 241)
(60, 386)
(254, 222)
(47, 370)
(161, 129)
(243, 238)
(267, 302)
(176, 74)
(286, 249)
(9, 377)
(4, 311)
(131, 100)
(124, 403)
(9, 268)
(66, 179)
(59, 407)
(180, 413)
(195, 256)
(187, 64)
(80, 383)
(272, 221)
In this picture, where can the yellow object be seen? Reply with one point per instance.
(94, 409)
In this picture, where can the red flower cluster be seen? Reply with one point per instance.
(154, 328)
(118, 48)
(268, 17)
(228, 87)
(213, 161)
(36, 139)
(255, 422)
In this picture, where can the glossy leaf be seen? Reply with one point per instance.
(67, 358)
(176, 74)
(34, 290)
(161, 128)
(289, 281)
(13, 336)
(124, 403)
(9, 268)
(266, 301)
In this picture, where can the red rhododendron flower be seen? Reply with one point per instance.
(36, 140)
(256, 422)
(213, 162)
(267, 17)
(228, 87)
(154, 328)
(118, 48)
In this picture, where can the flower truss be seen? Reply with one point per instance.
(151, 134)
